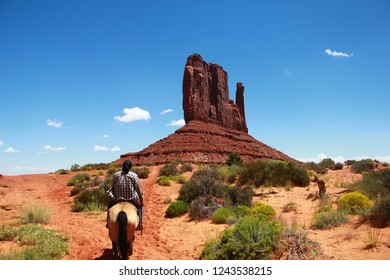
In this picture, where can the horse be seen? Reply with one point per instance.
(123, 220)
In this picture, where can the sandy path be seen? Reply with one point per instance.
(87, 232)
(175, 238)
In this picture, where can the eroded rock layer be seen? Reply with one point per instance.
(205, 143)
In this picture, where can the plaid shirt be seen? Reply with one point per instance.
(126, 187)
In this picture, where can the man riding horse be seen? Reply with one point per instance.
(126, 188)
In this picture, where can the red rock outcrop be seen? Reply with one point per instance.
(206, 95)
(200, 142)
(215, 126)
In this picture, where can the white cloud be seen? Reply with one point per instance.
(100, 148)
(180, 122)
(383, 158)
(133, 114)
(1, 143)
(11, 150)
(17, 170)
(50, 148)
(321, 157)
(105, 149)
(342, 159)
(166, 111)
(106, 136)
(56, 124)
(336, 53)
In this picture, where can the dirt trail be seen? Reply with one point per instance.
(179, 238)
(88, 234)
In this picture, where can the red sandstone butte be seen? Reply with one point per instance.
(215, 125)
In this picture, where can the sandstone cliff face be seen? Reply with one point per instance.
(206, 95)
(215, 126)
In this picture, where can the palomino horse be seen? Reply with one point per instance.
(123, 220)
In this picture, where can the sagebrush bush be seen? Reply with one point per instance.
(329, 219)
(230, 173)
(252, 238)
(202, 207)
(363, 165)
(234, 196)
(354, 202)
(79, 179)
(179, 178)
(164, 181)
(91, 200)
(169, 170)
(242, 211)
(221, 215)
(185, 168)
(203, 182)
(35, 214)
(374, 184)
(176, 208)
(273, 173)
(380, 212)
(142, 172)
(262, 209)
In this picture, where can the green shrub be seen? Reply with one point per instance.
(273, 173)
(79, 179)
(380, 212)
(329, 219)
(298, 175)
(164, 181)
(338, 166)
(203, 182)
(176, 209)
(354, 202)
(251, 238)
(374, 184)
(185, 168)
(234, 196)
(169, 170)
(202, 207)
(7, 233)
(221, 215)
(234, 159)
(36, 214)
(91, 200)
(362, 166)
(142, 173)
(43, 244)
(179, 178)
(62, 171)
(230, 173)
(242, 211)
(263, 209)
(383, 176)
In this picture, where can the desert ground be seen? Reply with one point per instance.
(179, 238)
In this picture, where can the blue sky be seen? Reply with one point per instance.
(86, 81)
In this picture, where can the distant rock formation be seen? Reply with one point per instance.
(204, 143)
(215, 126)
(206, 95)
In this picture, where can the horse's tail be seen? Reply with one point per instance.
(122, 240)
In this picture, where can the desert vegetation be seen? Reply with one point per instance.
(33, 241)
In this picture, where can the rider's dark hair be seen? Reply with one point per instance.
(126, 166)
